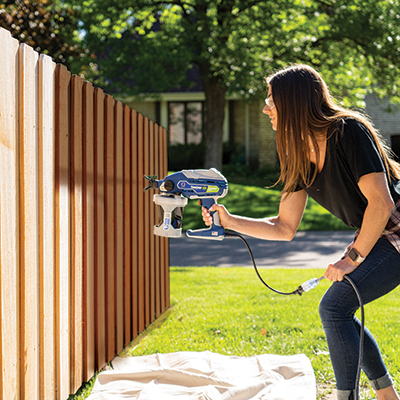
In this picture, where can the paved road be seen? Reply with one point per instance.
(306, 250)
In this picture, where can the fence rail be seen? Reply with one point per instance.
(81, 273)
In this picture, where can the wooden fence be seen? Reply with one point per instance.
(81, 273)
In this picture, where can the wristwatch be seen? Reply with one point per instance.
(355, 256)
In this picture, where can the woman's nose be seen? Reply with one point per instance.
(266, 109)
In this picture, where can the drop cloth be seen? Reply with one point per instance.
(207, 376)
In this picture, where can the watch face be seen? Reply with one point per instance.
(353, 255)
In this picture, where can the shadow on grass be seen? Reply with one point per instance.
(153, 326)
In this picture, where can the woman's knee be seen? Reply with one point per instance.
(338, 303)
(325, 308)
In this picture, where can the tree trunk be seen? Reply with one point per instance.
(215, 112)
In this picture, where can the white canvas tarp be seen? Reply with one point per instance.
(207, 376)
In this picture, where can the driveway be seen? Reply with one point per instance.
(314, 249)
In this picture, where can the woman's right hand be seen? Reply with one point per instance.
(222, 212)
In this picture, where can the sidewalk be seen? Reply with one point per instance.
(315, 249)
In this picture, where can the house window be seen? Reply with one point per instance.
(185, 122)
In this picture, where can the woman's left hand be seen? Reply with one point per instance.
(336, 272)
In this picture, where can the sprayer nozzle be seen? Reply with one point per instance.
(153, 182)
(308, 285)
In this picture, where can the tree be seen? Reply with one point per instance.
(147, 46)
(47, 26)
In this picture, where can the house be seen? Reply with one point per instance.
(245, 124)
(386, 118)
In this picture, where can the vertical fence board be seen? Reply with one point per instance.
(135, 223)
(109, 186)
(47, 310)
(147, 231)
(140, 227)
(119, 231)
(63, 78)
(29, 234)
(127, 225)
(76, 199)
(9, 221)
(88, 233)
(100, 264)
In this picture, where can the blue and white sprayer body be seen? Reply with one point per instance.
(175, 189)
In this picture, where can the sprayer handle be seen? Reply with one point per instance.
(215, 231)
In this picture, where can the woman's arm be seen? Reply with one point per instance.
(281, 227)
(380, 205)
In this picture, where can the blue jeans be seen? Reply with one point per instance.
(375, 277)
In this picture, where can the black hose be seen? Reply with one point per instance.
(361, 349)
(234, 234)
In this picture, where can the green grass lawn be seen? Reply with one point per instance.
(229, 311)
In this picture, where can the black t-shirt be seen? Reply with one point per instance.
(350, 154)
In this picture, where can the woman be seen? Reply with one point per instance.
(335, 156)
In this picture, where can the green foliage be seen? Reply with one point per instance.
(191, 156)
(85, 390)
(151, 44)
(47, 26)
(186, 156)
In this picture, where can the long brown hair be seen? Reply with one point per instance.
(305, 108)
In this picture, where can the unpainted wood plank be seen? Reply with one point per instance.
(110, 225)
(99, 227)
(119, 228)
(88, 233)
(29, 227)
(76, 201)
(9, 219)
(62, 201)
(47, 306)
